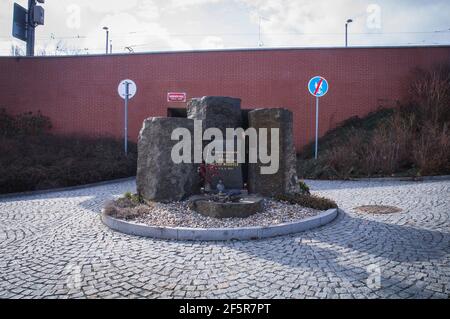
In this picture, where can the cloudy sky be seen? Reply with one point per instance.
(149, 25)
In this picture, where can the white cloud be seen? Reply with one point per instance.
(212, 42)
(184, 4)
(320, 22)
(149, 10)
(107, 5)
(208, 24)
(155, 37)
(301, 23)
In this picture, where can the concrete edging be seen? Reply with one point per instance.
(402, 179)
(386, 179)
(219, 234)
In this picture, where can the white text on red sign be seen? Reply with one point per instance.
(176, 97)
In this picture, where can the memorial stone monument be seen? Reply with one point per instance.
(160, 179)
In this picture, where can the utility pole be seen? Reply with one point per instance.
(25, 22)
(30, 28)
(107, 38)
(35, 17)
(110, 46)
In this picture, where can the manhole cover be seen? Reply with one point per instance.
(377, 209)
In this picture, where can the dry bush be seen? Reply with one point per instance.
(412, 139)
(127, 207)
(311, 201)
(126, 213)
(48, 161)
(32, 159)
(431, 151)
(23, 124)
(388, 149)
(343, 158)
(430, 91)
(430, 98)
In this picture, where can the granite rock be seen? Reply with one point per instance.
(285, 180)
(158, 178)
(216, 111)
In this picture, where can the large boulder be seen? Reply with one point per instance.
(222, 113)
(158, 178)
(285, 179)
(216, 111)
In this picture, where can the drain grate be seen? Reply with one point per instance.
(377, 209)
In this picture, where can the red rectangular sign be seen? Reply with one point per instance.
(176, 97)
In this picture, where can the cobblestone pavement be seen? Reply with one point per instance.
(54, 246)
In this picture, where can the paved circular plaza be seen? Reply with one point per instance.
(55, 246)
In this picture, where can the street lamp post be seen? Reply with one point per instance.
(346, 31)
(107, 38)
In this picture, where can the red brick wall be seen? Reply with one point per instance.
(79, 93)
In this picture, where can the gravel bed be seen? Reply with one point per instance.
(178, 214)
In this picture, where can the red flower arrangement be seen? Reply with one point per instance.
(207, 172)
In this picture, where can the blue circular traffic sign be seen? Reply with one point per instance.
(318, 86)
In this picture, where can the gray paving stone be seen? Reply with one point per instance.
(50, 241)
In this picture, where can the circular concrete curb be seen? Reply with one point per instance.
(218, 234)
(388, 179)
(403, 179)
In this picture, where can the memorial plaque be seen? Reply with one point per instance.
(230, 172)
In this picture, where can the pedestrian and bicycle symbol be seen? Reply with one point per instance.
(318, 87)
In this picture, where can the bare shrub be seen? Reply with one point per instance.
(49, 161)
(344, 157)
(389, 148)
(126, 213)
(28, 123)
(430, 91)
(311, 201)
(127, 207)
(431, 151)
(412, 139)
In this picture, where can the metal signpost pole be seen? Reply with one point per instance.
(346, 35)
(127, 90)
(107, 40)
(25, 22)
(30, 28)
(318, 87)
(317, 127)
